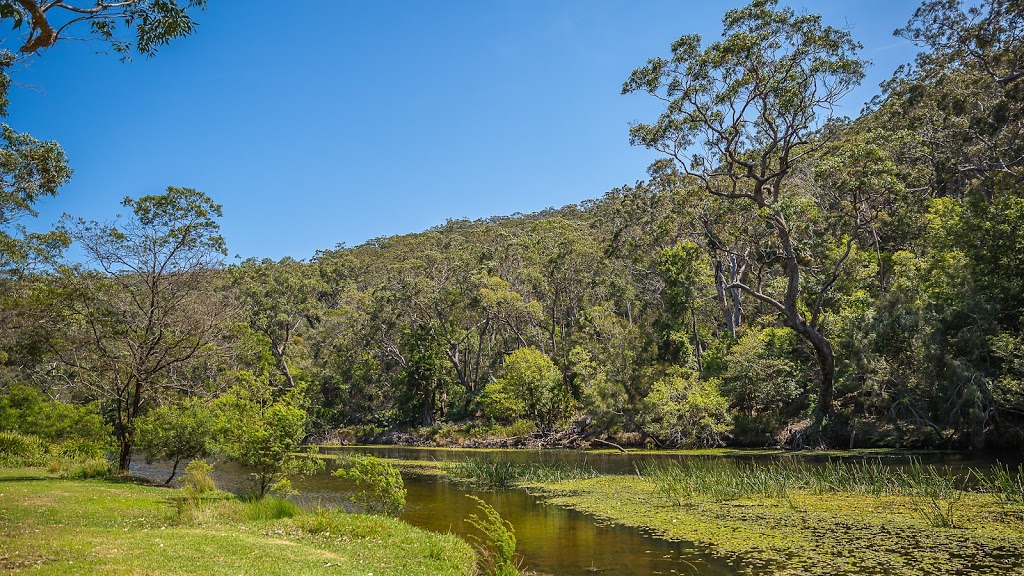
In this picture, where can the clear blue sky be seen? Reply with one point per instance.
(320, 122)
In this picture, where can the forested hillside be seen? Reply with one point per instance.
(784, 276)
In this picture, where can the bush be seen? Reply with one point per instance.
(28, 411)
(175, 433)
(262, 435)
(379, 484)
(530, 388)
(514, 430)
(689, 411)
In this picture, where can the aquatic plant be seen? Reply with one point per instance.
(934, 493)
(1005, 484)
(496, 544)
(490, 473)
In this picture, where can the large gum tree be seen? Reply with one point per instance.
(739, 116)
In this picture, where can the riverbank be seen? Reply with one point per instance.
(58, 526)
(810, 534)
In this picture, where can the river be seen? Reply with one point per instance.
(550, 539)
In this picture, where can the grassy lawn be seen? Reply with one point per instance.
(807, 533)
(57, 526)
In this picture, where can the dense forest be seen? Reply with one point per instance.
(785, 276)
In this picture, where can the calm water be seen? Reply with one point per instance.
(551, 540)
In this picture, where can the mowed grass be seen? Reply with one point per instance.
(55, 526)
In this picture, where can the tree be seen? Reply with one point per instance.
(146, 309)
(279, 298)
(740, 115)
(423, 380)
(29, 171)
(531, 387)
(263, 433)
(175, 433)
(154, 23)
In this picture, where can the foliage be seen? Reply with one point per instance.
(18, 449)
(263, 434)
(153, 23)
(496, 544)
(150, 311)
(177, 432)
(531, 388)
(688, 411)
(379, 485)
(774, 246)
(78, 428)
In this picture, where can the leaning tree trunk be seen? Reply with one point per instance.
(826, 358)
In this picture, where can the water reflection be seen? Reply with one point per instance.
(550, 539)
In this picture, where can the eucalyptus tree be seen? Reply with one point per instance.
(739, 116)
(963, 94)
(153, 23)
(145, 306)
(278, 299)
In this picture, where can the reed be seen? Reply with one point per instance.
(489, 473)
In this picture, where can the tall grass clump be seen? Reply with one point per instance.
(1006, 484)
(714, 479)
(496, 543)
(485, 472)
(270, 508)
(197, 484)
(88, 468)
(935, 493)
(489, 473)
(18, 449)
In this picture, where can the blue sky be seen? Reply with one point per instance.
(344, 121)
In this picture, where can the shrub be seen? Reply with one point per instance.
(379, 484)
(689, 411)
(28, 411)
(530, 388)
(514, 430)
(263, 435)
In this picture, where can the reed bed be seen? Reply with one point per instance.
(490, 473)
(935, 493)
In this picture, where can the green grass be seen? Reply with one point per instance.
(59, 526)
